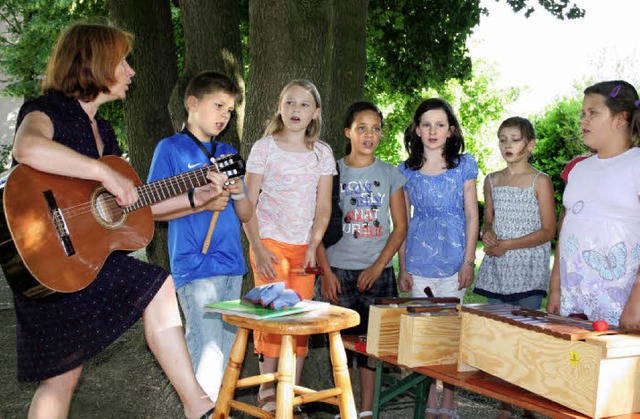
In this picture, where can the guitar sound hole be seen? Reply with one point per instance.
(107, 209)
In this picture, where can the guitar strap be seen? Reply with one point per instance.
(214, 144)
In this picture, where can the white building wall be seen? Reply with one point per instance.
(9, 108)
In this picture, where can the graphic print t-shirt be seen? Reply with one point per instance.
(287, 202)
(366, 224)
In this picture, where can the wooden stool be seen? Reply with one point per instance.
(330, 321)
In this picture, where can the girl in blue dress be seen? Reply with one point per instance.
(439, 251)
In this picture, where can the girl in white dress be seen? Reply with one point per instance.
(599, 246)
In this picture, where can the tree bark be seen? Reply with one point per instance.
(319, 40)
(287, 42)
(212, 41)
(347, 58)
(146, 114)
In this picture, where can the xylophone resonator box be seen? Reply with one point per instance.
(558, 358)
(429, 338)
(383, 331)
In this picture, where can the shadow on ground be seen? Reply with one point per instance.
(124, 381)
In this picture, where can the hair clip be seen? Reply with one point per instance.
(636, 104)
(615, 91)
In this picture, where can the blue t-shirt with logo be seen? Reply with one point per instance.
(179, 154)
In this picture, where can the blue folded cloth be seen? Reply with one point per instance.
(288, 298)
(264, 294)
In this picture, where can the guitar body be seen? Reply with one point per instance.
(17, 275)
(63, 229)
(56, 232)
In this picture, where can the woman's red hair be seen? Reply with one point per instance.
(84, 60)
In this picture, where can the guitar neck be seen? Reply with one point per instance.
(163, 189)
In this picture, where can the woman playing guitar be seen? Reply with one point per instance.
(61, 133)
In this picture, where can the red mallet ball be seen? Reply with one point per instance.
(600, 325)
(361, 347)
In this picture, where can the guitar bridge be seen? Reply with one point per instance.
(59, 223)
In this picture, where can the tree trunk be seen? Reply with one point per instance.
(346, 64)
(146, 113)
(287, 40)
(321, 40)
(211, 42)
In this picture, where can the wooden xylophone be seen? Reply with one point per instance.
(567, 328)
(563, 359)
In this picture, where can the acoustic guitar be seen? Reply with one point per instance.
(58, 231)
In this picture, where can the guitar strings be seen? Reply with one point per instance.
(147, 194)
(178, 184)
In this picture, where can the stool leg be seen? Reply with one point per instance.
(341, 376)
(286, 374)
(231, 374)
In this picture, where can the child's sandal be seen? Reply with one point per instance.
(448, 413)
(268, 403)
(208, 414)
(432, 411)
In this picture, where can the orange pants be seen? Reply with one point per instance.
(290, 256)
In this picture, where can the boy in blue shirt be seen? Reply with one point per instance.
(204, 271)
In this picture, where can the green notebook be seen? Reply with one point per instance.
(256, 311)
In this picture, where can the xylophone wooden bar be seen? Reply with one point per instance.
(539, 321)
